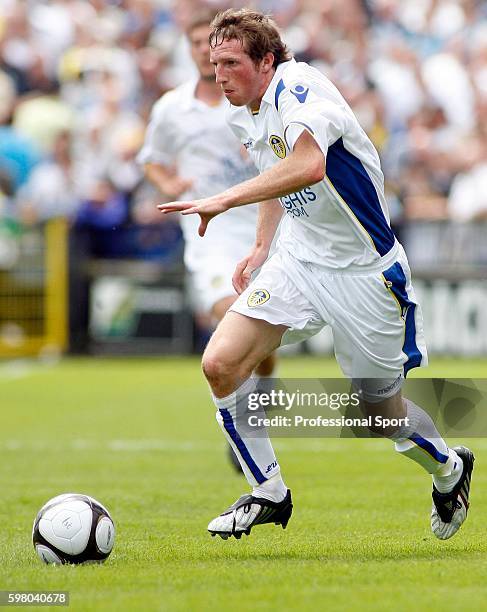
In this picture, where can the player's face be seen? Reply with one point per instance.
(200, 50)
(243, 82)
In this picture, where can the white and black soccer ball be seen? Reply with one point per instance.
(73, 528)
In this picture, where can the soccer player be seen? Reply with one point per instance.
(190, 150)
(337, 262)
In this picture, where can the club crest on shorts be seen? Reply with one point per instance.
(258, 297)
(278, 146)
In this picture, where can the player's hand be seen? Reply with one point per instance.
(243, 272)
(206, 208)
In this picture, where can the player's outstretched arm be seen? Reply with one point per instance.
(303, 167)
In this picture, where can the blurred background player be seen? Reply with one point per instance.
(190, 152)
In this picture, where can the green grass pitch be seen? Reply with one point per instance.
(140, 435)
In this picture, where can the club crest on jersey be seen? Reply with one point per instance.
(258, 297)
(278, 146)
(300, 92)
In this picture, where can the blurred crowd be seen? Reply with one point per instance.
(78, 79)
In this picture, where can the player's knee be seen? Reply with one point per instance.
(211, 367)
(217, 367)
(225, 368)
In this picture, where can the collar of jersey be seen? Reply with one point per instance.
(269, 92)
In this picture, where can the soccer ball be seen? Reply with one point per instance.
(73, 528)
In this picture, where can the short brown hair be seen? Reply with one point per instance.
(257, 32)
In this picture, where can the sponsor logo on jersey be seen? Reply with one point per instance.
(278, 146)
(248, 143)
(257, 298)
(294, 203)
(300, 92)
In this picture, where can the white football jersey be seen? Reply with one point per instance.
(186, 133)
(343, 220)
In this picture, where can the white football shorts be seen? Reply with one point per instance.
(375, 319)
(210, 278)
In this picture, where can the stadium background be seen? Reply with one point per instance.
(88, 267)
(77, 82)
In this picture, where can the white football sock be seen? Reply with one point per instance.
(251, 446)
(422, 442)
(273, 489)
(445, 482)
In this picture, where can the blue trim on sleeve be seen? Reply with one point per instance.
(279, 89)
(296, 123)
(350, 179)
(239, 443)
(397, 279)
